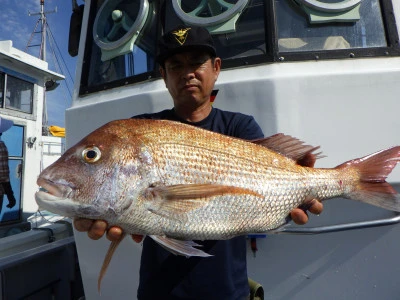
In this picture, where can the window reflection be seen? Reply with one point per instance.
(140, 60)
(14, 139)
(249, 37)
(295, 33)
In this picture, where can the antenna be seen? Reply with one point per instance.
(42, 53)
(43, 22)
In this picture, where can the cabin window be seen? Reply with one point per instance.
(19, 95)
(329, 26)
(237, 26)
(16, 94)
(121, 44)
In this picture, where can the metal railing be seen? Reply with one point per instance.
(341, 227)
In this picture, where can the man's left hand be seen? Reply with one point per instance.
(300, 217)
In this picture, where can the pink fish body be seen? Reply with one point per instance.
(177, 183)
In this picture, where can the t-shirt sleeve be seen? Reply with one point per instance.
(247, 128)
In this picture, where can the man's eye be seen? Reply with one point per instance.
(175, 67)
(200, 61)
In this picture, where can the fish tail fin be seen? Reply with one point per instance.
(372, 187)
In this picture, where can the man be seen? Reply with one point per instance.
(190, 68)
(5, 186)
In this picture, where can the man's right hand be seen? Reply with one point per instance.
(97, 228)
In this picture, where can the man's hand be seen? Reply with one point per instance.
(299, 215)
(97, 228)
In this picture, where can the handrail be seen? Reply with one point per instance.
(340, 227)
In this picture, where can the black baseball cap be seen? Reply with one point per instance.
(184, 38)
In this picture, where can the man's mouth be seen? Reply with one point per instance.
(190, 85)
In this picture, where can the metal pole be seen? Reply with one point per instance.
(43, 44)
(42, 18)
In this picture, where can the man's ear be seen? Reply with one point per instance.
(162, 72)
(217, 66)
(163, 75)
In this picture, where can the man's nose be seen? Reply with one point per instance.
(188, 75)
(188, 72)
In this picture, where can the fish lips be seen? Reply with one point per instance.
(57, 197)
(55, 189)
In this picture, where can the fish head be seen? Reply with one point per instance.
(100, 176)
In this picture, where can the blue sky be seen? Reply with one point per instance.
(17, 25)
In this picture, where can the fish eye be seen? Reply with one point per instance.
(91, 154)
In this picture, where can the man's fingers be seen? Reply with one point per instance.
(114, 234)
(97, 230)
(316, 208)
(82, 225)
(299, 216)
(137, 238)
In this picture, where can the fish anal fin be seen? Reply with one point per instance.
(107, 259)
(292, 148)
(180, 247)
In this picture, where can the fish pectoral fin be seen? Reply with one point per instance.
(292, 148)
(182, 198)
(107, 259)
(179, 247)
(197, 191)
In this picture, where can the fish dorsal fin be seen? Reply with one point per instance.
(292, 148)
(174, 200)
(179, 247)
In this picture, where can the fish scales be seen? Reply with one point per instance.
(204, 162)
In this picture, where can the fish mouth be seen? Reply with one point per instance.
(55, 189)
(56, 197)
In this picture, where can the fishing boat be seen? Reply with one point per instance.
(326, 72)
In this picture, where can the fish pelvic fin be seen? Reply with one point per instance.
(373, 170)
(179, 247)
(292, 148)
(107, 259)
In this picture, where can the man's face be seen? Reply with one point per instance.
(190, 77)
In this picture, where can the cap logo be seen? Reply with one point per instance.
(181, 35)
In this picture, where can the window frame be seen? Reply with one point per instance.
(4, 83)
(84, 89)
(392, 38)
(32, 91)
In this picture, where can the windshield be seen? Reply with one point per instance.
(121, 43)
(297, 32)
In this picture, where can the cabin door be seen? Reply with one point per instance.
(14, 140)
